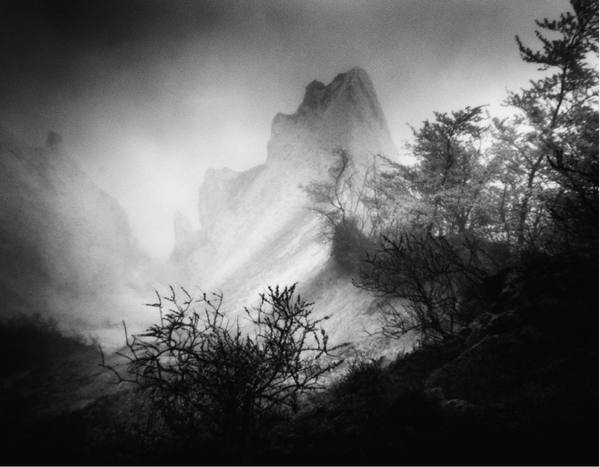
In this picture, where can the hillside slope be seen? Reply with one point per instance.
(66, 245)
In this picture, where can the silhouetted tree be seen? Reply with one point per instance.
(337, 198)
(350, 202)
(203, 371)
(421, 279)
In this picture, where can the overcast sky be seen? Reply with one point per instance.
(148, 94)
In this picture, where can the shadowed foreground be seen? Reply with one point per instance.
(515, 388)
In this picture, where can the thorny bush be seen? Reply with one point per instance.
(204, 371)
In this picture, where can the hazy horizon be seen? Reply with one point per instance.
(148, 95)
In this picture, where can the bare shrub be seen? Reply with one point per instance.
(204, 372)
(428, 275)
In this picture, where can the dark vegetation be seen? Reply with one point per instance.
(486, 250)
(42, 371)
(208, 378)
(27, 341)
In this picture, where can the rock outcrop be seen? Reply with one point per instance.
(66, 245)
(257, 228)
(345, 113)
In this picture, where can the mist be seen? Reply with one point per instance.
(304, 232)
(148, 95)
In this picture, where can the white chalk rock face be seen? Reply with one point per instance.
(257, 225)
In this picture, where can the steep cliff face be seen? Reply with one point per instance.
(66, 245)
(257, 226)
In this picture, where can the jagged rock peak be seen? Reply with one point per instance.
(342, 114)
(314, 95)
(354, 87)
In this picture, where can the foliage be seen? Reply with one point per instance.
(562, 110)
(337, 198)
(450, 175)
(202, 370)
(533, 188)
(362, 378)
(429, 275)
(348, 247)
(523, 177)
(362, 196)
(356, 205)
